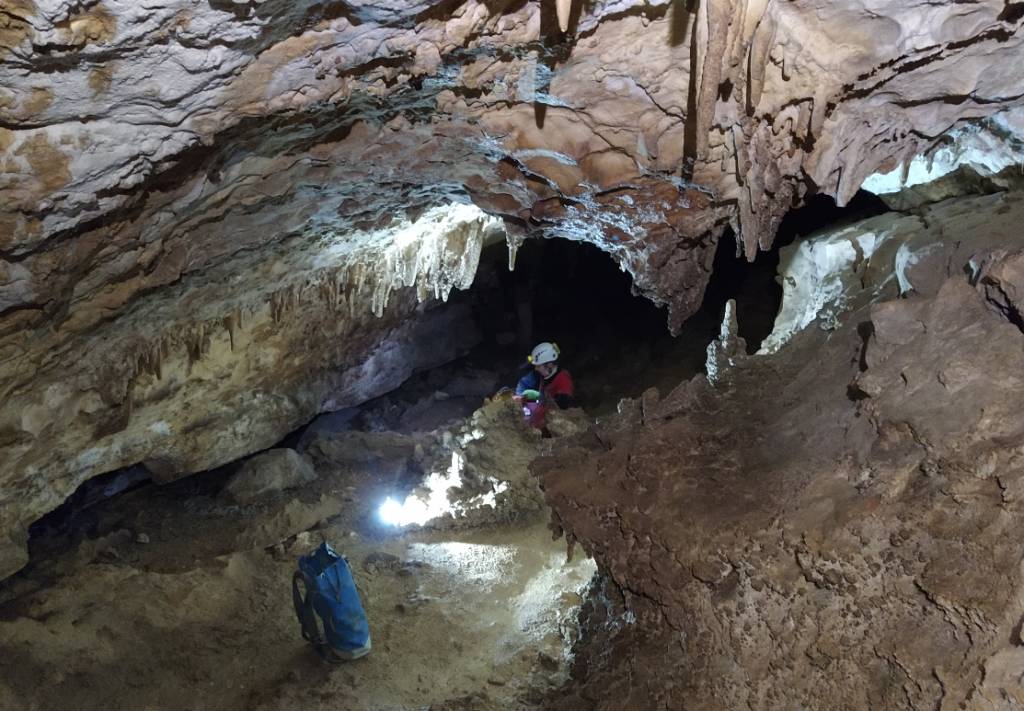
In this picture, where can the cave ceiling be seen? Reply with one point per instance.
(177, 168)
(144, 141)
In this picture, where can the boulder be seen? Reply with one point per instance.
(268, 472)
(362, 450)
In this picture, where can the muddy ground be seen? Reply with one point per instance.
(178, 597)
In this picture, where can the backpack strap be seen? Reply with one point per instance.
(308, 617)
(304, 610)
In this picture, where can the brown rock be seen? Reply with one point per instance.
(848, 592)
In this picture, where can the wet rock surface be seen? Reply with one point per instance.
(830, 527)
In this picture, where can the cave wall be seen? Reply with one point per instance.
(229, 360)
(833, 526)
(159, 161)
(979, 157)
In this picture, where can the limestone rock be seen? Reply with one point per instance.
(1001, 280)
(787, 542)
(981, 157)
(562, 423)
(726, 351)
(269, 472)
(363, 449)
(196, 398)
(836, 271)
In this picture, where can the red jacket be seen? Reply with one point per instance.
(557, 391)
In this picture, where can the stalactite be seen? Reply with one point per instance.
(329, 290)
(563, 8)
(514, 240)
(439, 254)
(431, 258)
(275, 307)
(197, 342)
(231, 324)
(717, 16)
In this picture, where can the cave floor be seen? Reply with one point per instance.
(171, 597)
(180, 600)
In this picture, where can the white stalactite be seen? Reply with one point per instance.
(564, 9)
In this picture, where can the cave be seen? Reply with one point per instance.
(270, 274)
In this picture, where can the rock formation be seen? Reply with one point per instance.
(270, 471)
(209, 370)
(180, 181)
(982, 156)
(831, 527)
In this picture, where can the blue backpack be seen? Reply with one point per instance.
(329, 611)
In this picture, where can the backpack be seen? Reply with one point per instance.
(328, 607)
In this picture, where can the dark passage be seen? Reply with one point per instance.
(615, 343)
(755, 286)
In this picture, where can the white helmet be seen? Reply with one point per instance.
(544, 353)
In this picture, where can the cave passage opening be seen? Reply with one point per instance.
(498, 561)
(756, 286)
(614, 341)
(495, 571)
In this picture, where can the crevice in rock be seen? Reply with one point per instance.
(752, 285)
(74, 518)
(1012, 13)
(1004, 303)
